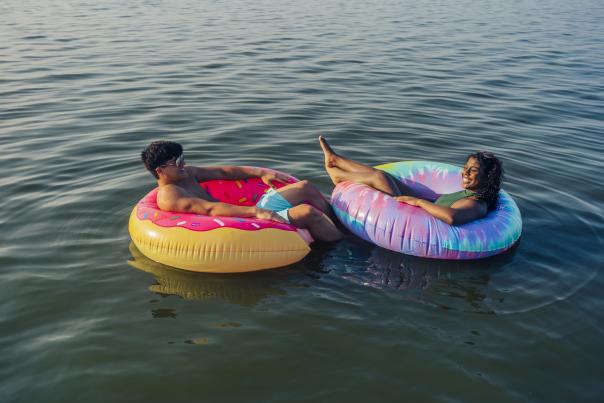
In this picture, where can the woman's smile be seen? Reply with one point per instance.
(471, 174)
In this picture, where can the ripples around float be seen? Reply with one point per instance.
(84, 86)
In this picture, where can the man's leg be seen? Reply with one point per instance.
(304, 191)
(317, 223)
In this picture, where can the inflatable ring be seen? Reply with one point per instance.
(380, 219)
(217, 244)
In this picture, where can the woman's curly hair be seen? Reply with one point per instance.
(158, 153)
(492, 170)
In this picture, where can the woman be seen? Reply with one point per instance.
(481, 180)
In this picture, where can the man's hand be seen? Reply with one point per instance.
(413, 201)
(263, 214)
(269, 177)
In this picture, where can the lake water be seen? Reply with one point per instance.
(85, 85)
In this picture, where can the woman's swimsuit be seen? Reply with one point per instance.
(446, 200)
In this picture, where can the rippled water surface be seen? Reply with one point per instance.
(85, 85)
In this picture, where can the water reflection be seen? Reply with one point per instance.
(245, 289)
(446, 284)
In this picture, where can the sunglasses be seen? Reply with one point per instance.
(179, 162)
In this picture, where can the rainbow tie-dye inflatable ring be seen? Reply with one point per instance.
(380, 219)
(217, 244)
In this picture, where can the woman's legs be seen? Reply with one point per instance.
(376, 179)
(342, 169)
(335, 160)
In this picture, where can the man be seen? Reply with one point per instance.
(179, 191)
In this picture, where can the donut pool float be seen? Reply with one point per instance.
(217, 244)
(380, 219)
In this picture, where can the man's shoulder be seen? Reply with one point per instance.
(168, 195)
(170, 191)
(169, 188)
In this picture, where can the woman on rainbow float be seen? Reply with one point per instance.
(481, 182)
(425, 208)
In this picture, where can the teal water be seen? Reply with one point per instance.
(84, 86)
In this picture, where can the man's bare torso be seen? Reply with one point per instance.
(187, 187)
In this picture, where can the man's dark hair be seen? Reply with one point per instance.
(158, 153)
(493, 176)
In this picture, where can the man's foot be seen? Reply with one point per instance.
(330, 156)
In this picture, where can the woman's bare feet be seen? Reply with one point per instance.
(331, 162)
(341, 169)
(328, 153)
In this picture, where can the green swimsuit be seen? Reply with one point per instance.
(444, 200)
(448, 199)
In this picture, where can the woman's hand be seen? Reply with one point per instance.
(269, 178)
(413, 201)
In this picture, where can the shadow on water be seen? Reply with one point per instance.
(446, 284)
(243, 289)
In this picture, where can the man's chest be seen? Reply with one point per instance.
(194, 189)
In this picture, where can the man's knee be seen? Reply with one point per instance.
(303, 215)
(308, 188)
(303, 184)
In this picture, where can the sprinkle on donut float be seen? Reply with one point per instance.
(217, 244)
(380, 219)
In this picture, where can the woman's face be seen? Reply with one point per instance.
(471, 175)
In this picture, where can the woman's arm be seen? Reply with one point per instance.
(465, 210)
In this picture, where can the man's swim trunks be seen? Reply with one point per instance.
(273, 201)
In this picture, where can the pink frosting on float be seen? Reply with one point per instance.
(243, 192)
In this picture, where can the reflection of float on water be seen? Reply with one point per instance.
(443, 283)
(247, 290)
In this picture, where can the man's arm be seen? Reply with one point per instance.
(228, 172)
(172, 199)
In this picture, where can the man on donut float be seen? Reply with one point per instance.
(481, 180)
(180, 191)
